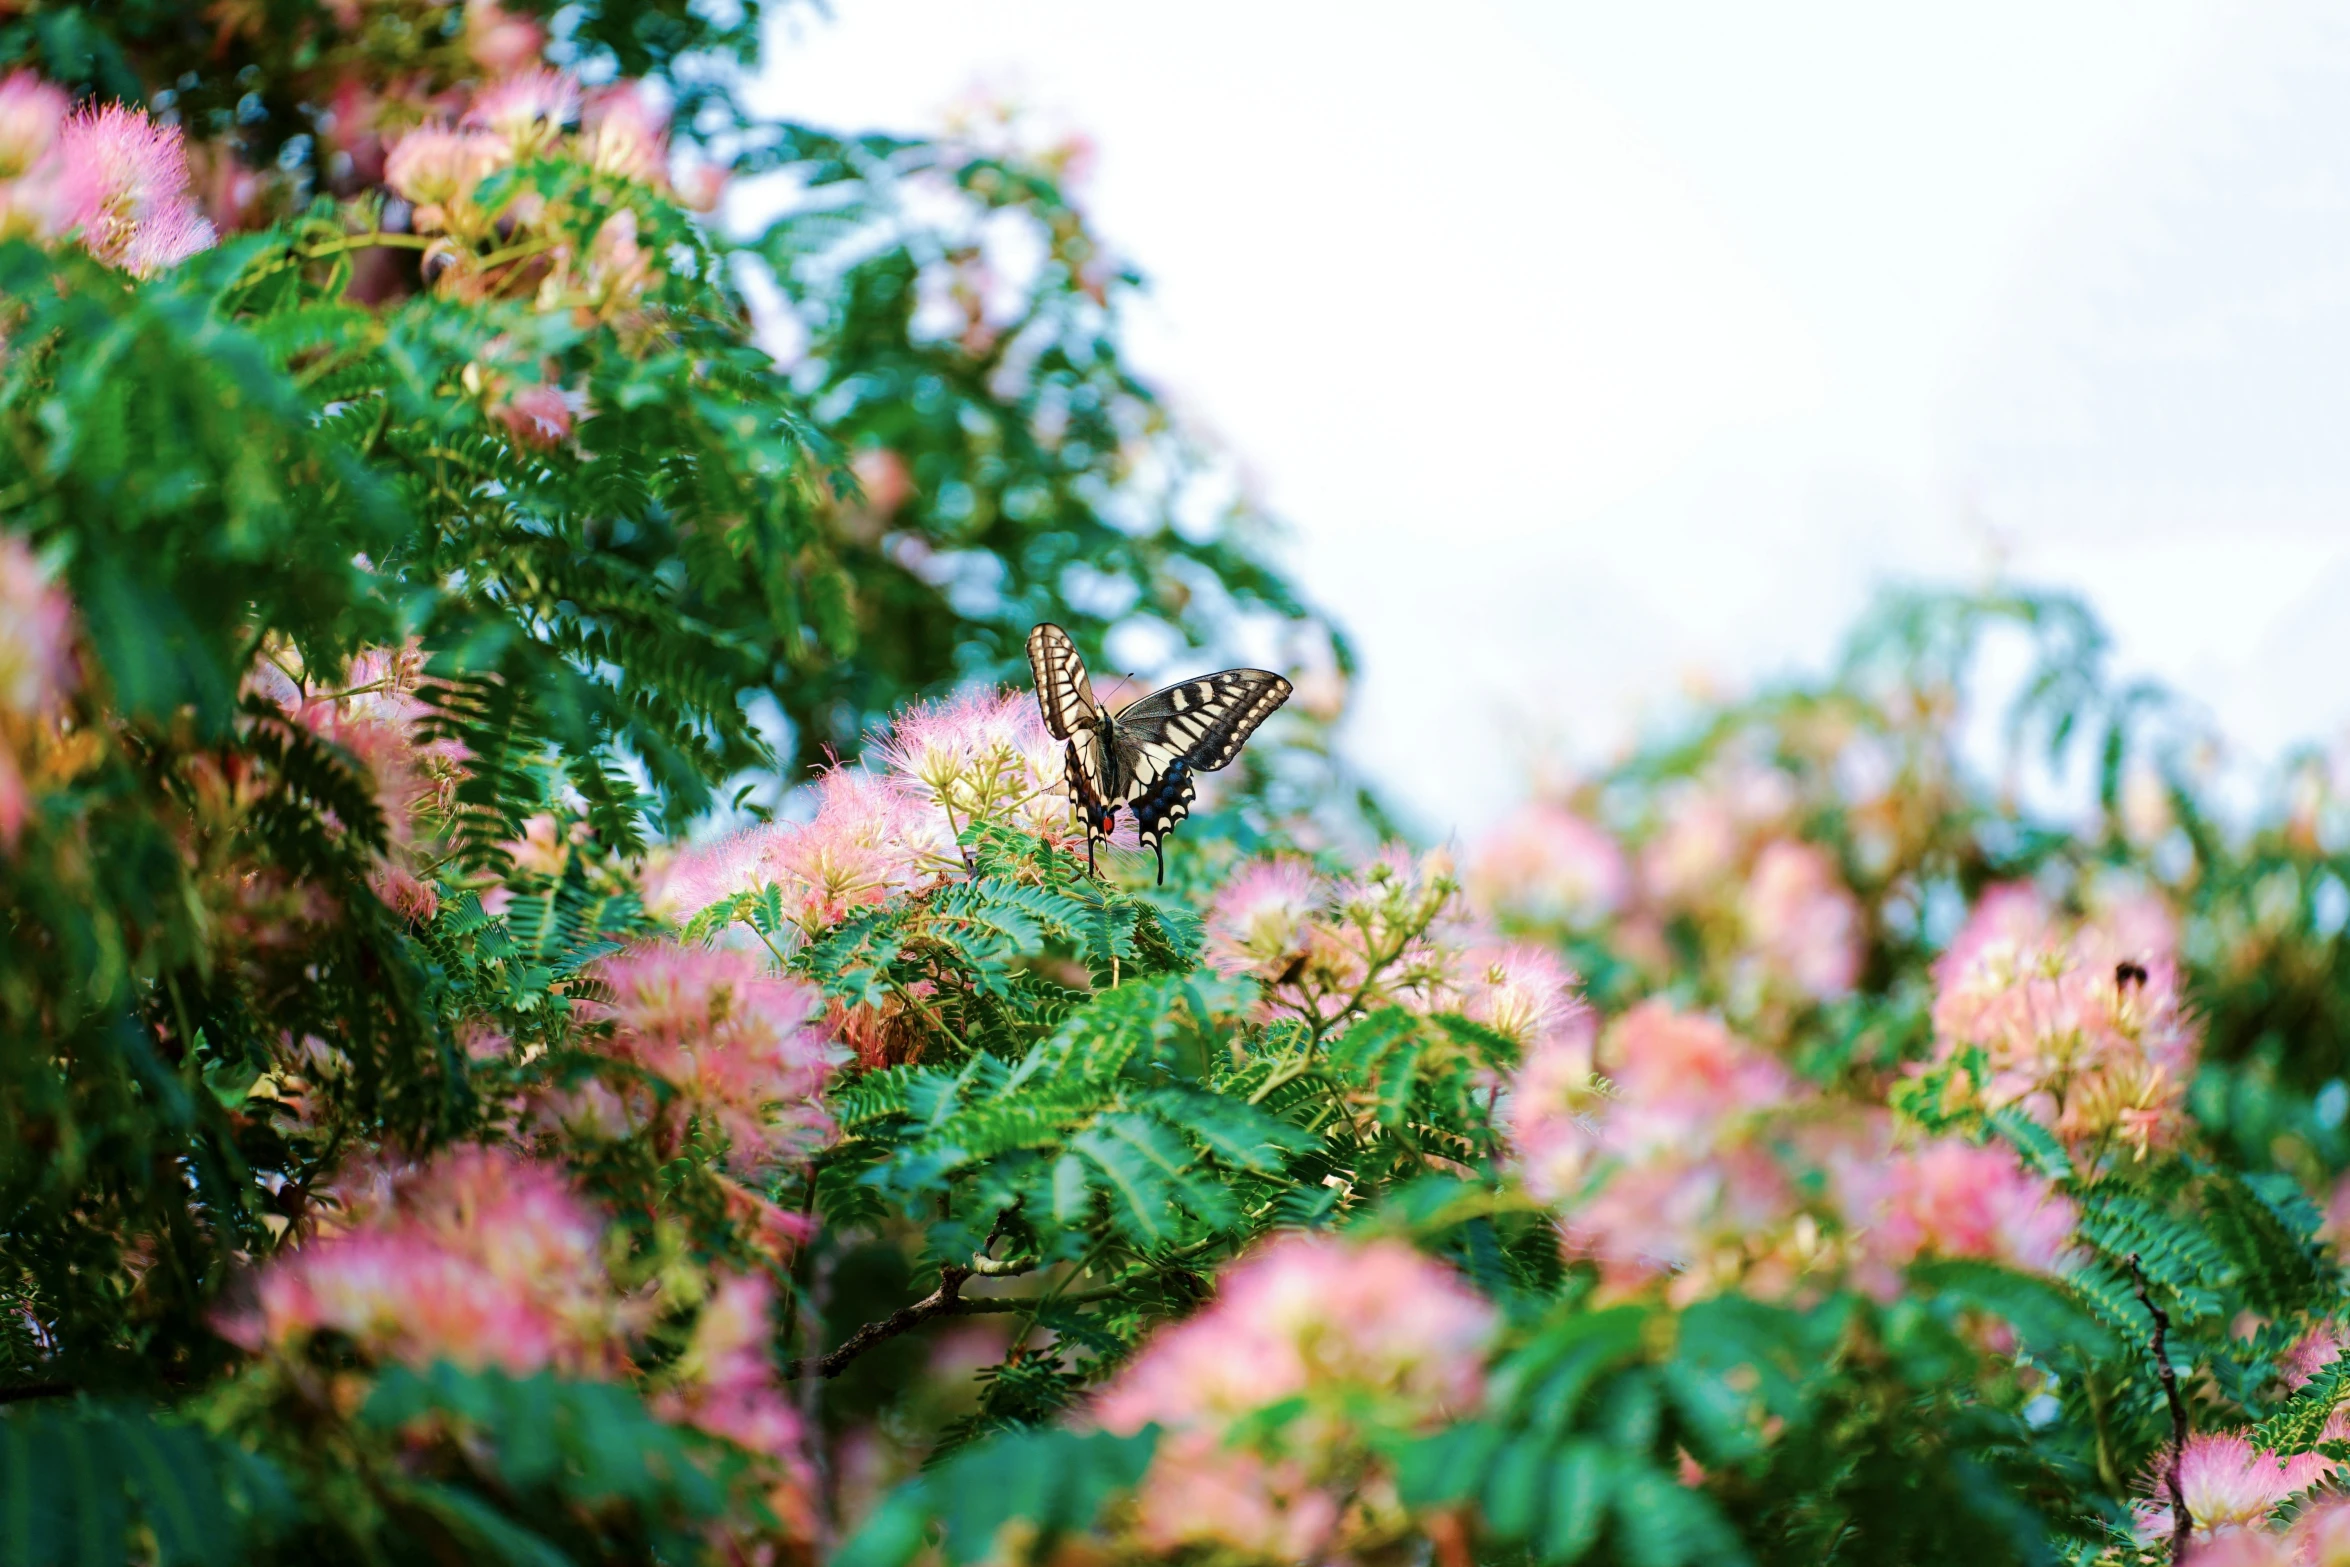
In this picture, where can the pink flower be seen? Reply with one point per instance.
(477, 1257)
(1522, 992)
(36, 672)
(1261, 919)
(1553, 1111)
(867, 843)
(1951, 1198)
(1369, 1335)
(122, 185)
(500, 42)
(377, 716)
(984, 755)
(1801, 921)
(2080, 1025)
(2226, 1482)
(2320, 1537)
(1547, 864)
(537, 414)
(31, 113)
(726, 1386)
(36, 634)
(436, 167)
(623, 134)
(527, 109)
(1708, 827)
(886, 480)
(734, 1042)
(1680, 1079)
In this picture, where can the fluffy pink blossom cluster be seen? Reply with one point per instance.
(1771, 910)
(2077, 1022)
(1344, 1338)
(502, 244)
(725, 1384)
(37, 672)
(105, 175)
(1320, 946)
(375, 713)
(1547, 865)
(731, 1046)
(2233, 1487)
(1726, 857)
(981, 757)
(477, 1257)
(1700, 1164)
(2319, 1536)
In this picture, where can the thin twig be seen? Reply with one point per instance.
(2181, 1524)
(948, 1300)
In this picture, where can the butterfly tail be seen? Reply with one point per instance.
(1160, 849)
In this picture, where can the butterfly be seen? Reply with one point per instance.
(1144, 756)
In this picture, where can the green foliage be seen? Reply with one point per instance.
(1026, 1491)
(79, 1483)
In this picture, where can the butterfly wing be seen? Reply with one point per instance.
(1159, 744)
(1063, 689)
(1064, 692)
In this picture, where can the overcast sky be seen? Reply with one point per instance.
(1604, 346)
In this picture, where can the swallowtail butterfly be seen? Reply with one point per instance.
(1144, 756)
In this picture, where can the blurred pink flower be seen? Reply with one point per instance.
(500, 42)
(622, 133)
(122, 184)
(435, 167)
(1951, 1198)
(376, 715)
(1552, 1112)
(1801, 921)
(2320, 1536)
(527, 110)
(36, 634)
(726, 1386)
(477, 1257)
(31, 114)
(1547, 864)
(735, 1043)
(1709, 826)
(1681, 1079)
(1366, 1338)
(886, 480)
(536, 413)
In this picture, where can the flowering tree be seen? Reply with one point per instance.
(458, 1109)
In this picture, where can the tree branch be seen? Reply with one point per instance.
(2181, 1524)
(947, 1300)
(27, 1390)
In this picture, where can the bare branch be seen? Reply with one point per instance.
(2181, 1523)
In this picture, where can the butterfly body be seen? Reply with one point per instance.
(1146, 756)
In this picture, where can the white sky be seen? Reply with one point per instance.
(1590, 347)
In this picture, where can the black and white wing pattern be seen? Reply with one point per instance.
(1065, 692)
(1146, 756)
